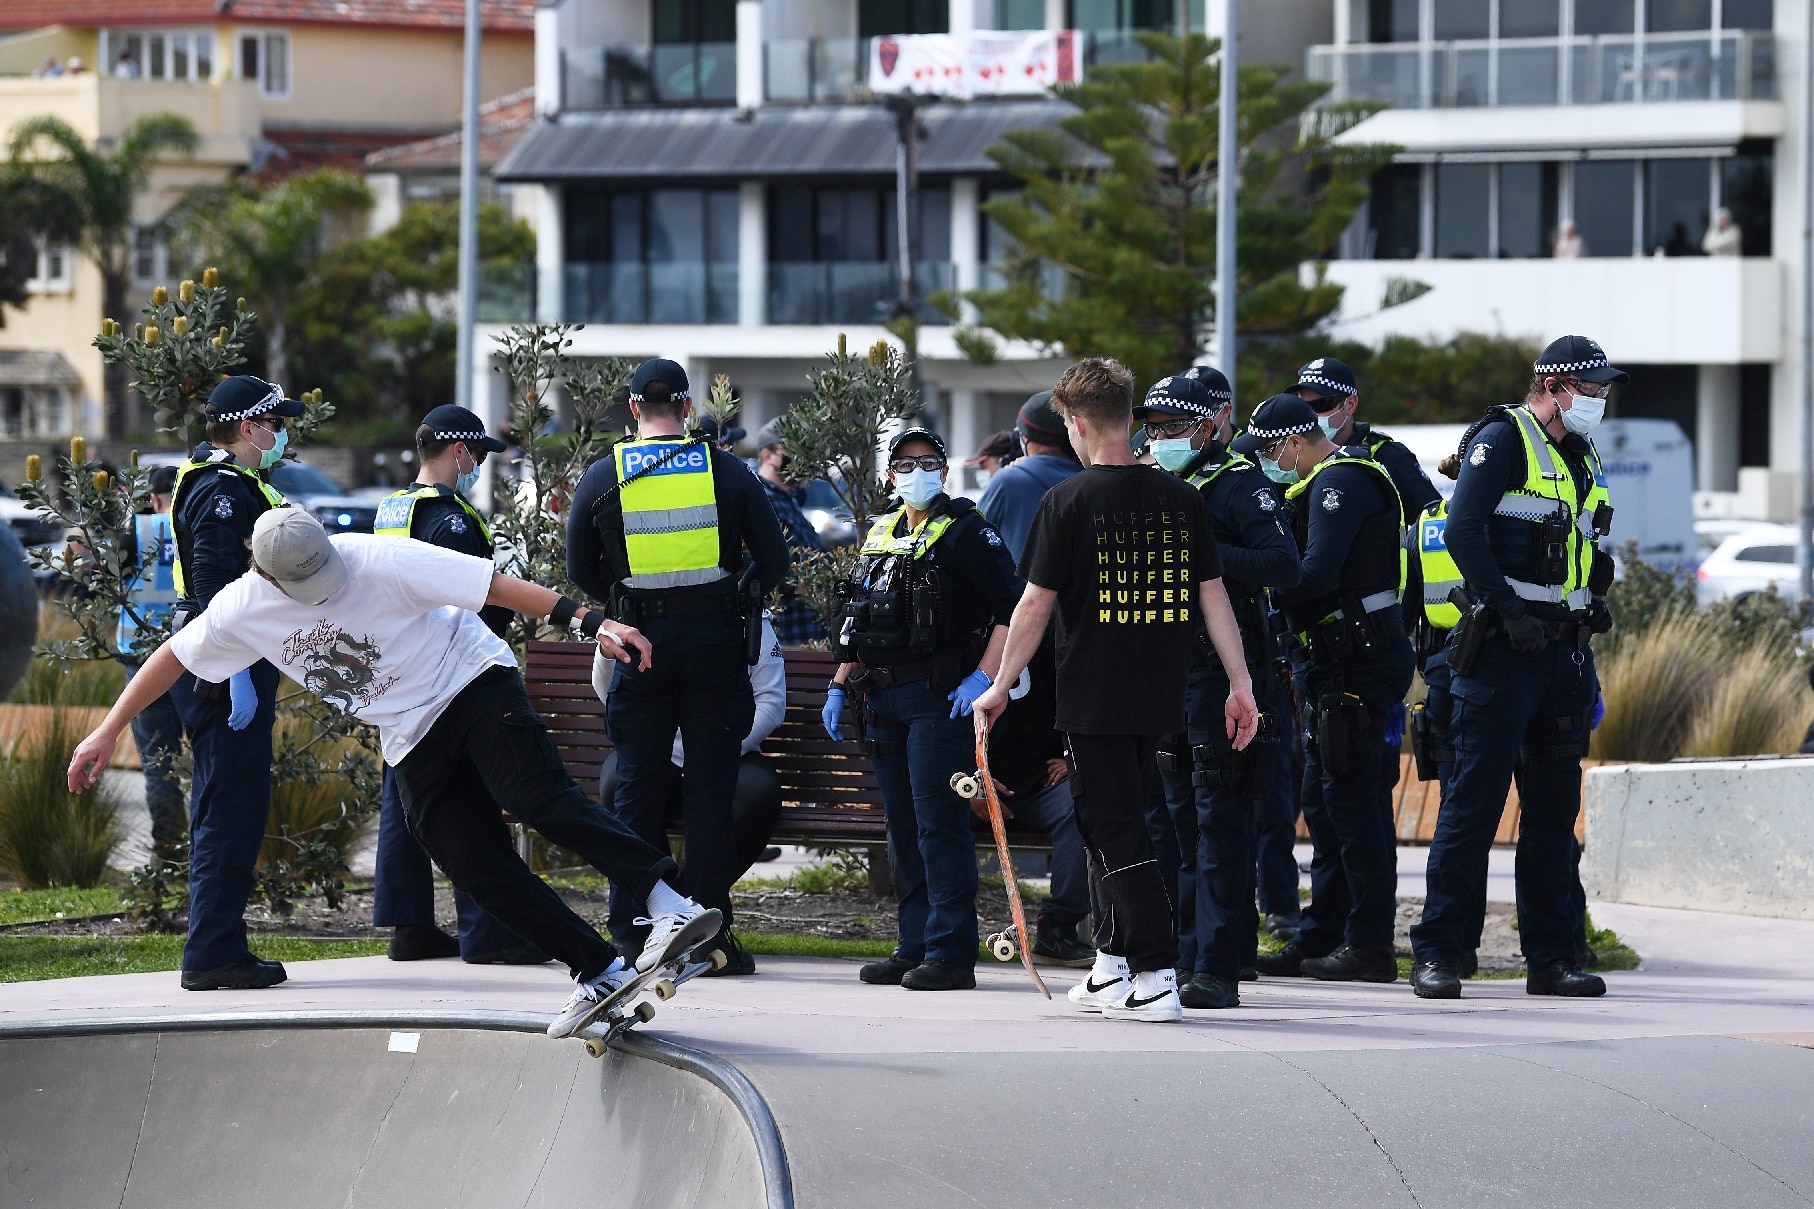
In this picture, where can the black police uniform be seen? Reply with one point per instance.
(1415, 490)
(698, 680)
(403, 886)
(1348, 523)
(1523, 713)
(1213, 826)
(215, 504)
(918, 623)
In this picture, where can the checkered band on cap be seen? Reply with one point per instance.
(679, 394)
(459, 436)
(1330, 384)
(1160, 395)
(257, 409)
(1570, 367)
(1220, 396)
(1273, 434)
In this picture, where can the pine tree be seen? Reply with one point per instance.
(1115, 227)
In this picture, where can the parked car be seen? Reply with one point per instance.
(1750, 561)
(307, 487)
(31, 529)
(828, 516)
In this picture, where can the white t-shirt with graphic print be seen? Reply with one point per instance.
(393, 647)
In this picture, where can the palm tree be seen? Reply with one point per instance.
(105, 186)
(269, 239)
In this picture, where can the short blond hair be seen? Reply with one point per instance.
(1097, 389)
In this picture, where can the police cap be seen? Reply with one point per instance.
(243, 397)
(1578, 357)
(1326, 376)
(659, 369)
(1214, 381)
(1280, 416)
(451, 422)
(1178, 396)
(917, 434)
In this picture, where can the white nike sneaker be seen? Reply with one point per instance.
(1093, 996)
(1153, 996)
(674, 933)
(588, 1000)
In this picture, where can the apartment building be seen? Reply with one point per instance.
(272, 86)
(711, 180)
(1562, 163)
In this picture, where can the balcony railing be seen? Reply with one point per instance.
(803, 71)
(686, 73)
(1726, 65)
(651, 293)
(850, 291)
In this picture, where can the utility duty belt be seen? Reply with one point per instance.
(1430, 745)
(1217, 765)
(635, 610)
(945, 669)
(1359, 628)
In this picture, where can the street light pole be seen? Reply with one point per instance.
(469, 213)
(1804, 552)
(1227, 162)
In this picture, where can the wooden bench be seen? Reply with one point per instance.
(830, 798)
(829, 793)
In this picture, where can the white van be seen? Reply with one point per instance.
(1649, 468)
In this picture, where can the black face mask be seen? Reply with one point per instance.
(787, 463)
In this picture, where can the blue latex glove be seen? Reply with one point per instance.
(1395, 725)
(1599, 712)
(833, 712)
(964, 696)
(244, 700)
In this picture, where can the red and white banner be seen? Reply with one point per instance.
(987, 63)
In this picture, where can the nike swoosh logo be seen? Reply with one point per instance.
(1140, 1003)
(1089, 984)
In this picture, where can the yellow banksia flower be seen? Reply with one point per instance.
(160, 296)
(210, 277)
(152, 334)
(138, 331)
(878, 353)
(186, 291)
(134, 459)
(34, 467)
(180, 325)
(240, 306)
(220, 342)
(78, 449)
(101, 480)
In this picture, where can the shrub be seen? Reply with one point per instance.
(324, 797)
(49, 836)
(1757, 707)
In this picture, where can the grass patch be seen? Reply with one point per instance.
(774, 944)
(1613, 953)
(31, 958)
(29, 906)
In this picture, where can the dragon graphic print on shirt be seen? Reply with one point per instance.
(335, 666)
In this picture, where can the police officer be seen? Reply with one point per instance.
(920, 640)
(156, 730)
(1327, 384)
(1344, 611)
(452, 443)
(219, 494)
(659, 529)
(1523, 530)
(1210, 791)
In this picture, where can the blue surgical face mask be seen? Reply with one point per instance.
(918, 488)
(1172, 453)
(1277, 473)
(467, 479)
(268, 458)
(1584, 414)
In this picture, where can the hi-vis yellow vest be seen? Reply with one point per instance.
(670, 514)
(223, 462)
(914, 543)
(397, 512)
(1200, 480)
(1549, 489)
(1301, 489)
(1439, 572)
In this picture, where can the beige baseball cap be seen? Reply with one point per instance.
(293, 549)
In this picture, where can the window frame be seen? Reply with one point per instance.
(53, 273)
(262, 40)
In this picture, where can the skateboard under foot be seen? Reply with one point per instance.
(664, 980)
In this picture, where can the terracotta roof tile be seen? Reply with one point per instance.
(499, 16)
(502, 123)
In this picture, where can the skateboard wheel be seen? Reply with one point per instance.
(645, 1011)
(964, 785)
(1002, 947)
(664, 990)
(595, 1047)
(719, 960)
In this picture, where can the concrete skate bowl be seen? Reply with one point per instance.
(276, 1112)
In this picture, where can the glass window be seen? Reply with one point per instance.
(1765, 554)
(248, 57)
(1527, 209)
(1461, 210)
(131, 59)
(1459, 19)
(276, 79)
(1604, 196)
(154, 58)
(179, 57)
(204, 56)
(1604, 17)
(790, 224)
(695, 21)
(1670, 16)
(1747, 14)
(1392, 21)
(877, 17)
(1530, 19)
(1020, 14)
(1745, 188)
(625, 239)
(721, 218)
(1107, 15)
(1677, 194)
(850, 224)
(1393, 211)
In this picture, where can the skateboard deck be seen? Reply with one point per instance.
(620, 1010)
(1001, 944)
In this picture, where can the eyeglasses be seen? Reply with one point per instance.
(926, 461)
(1590, 390)
(1172, 428)
(1271, 449)
(271, 424)
(1322, 405)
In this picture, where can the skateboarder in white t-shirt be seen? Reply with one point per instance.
(387, 630)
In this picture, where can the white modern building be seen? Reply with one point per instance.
(711, 181)
(1635, 121)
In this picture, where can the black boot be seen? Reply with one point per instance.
(421, 942)
(737, 960)
(1355, 963)
(248, 975)
(523, 954)
(1470, 963)
(1564, 978)
(1210, 991)
(887, 972)
(939, 976)
(1056, 944)
(1286, 963)
(1436, 980)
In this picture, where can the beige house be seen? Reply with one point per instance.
(272, 86)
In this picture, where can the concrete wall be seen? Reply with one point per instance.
(392, 79)
(1725, 835)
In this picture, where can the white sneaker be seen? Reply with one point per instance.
(1152, 996)
(588, 1000)
(673, 933)
(1093, 996)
